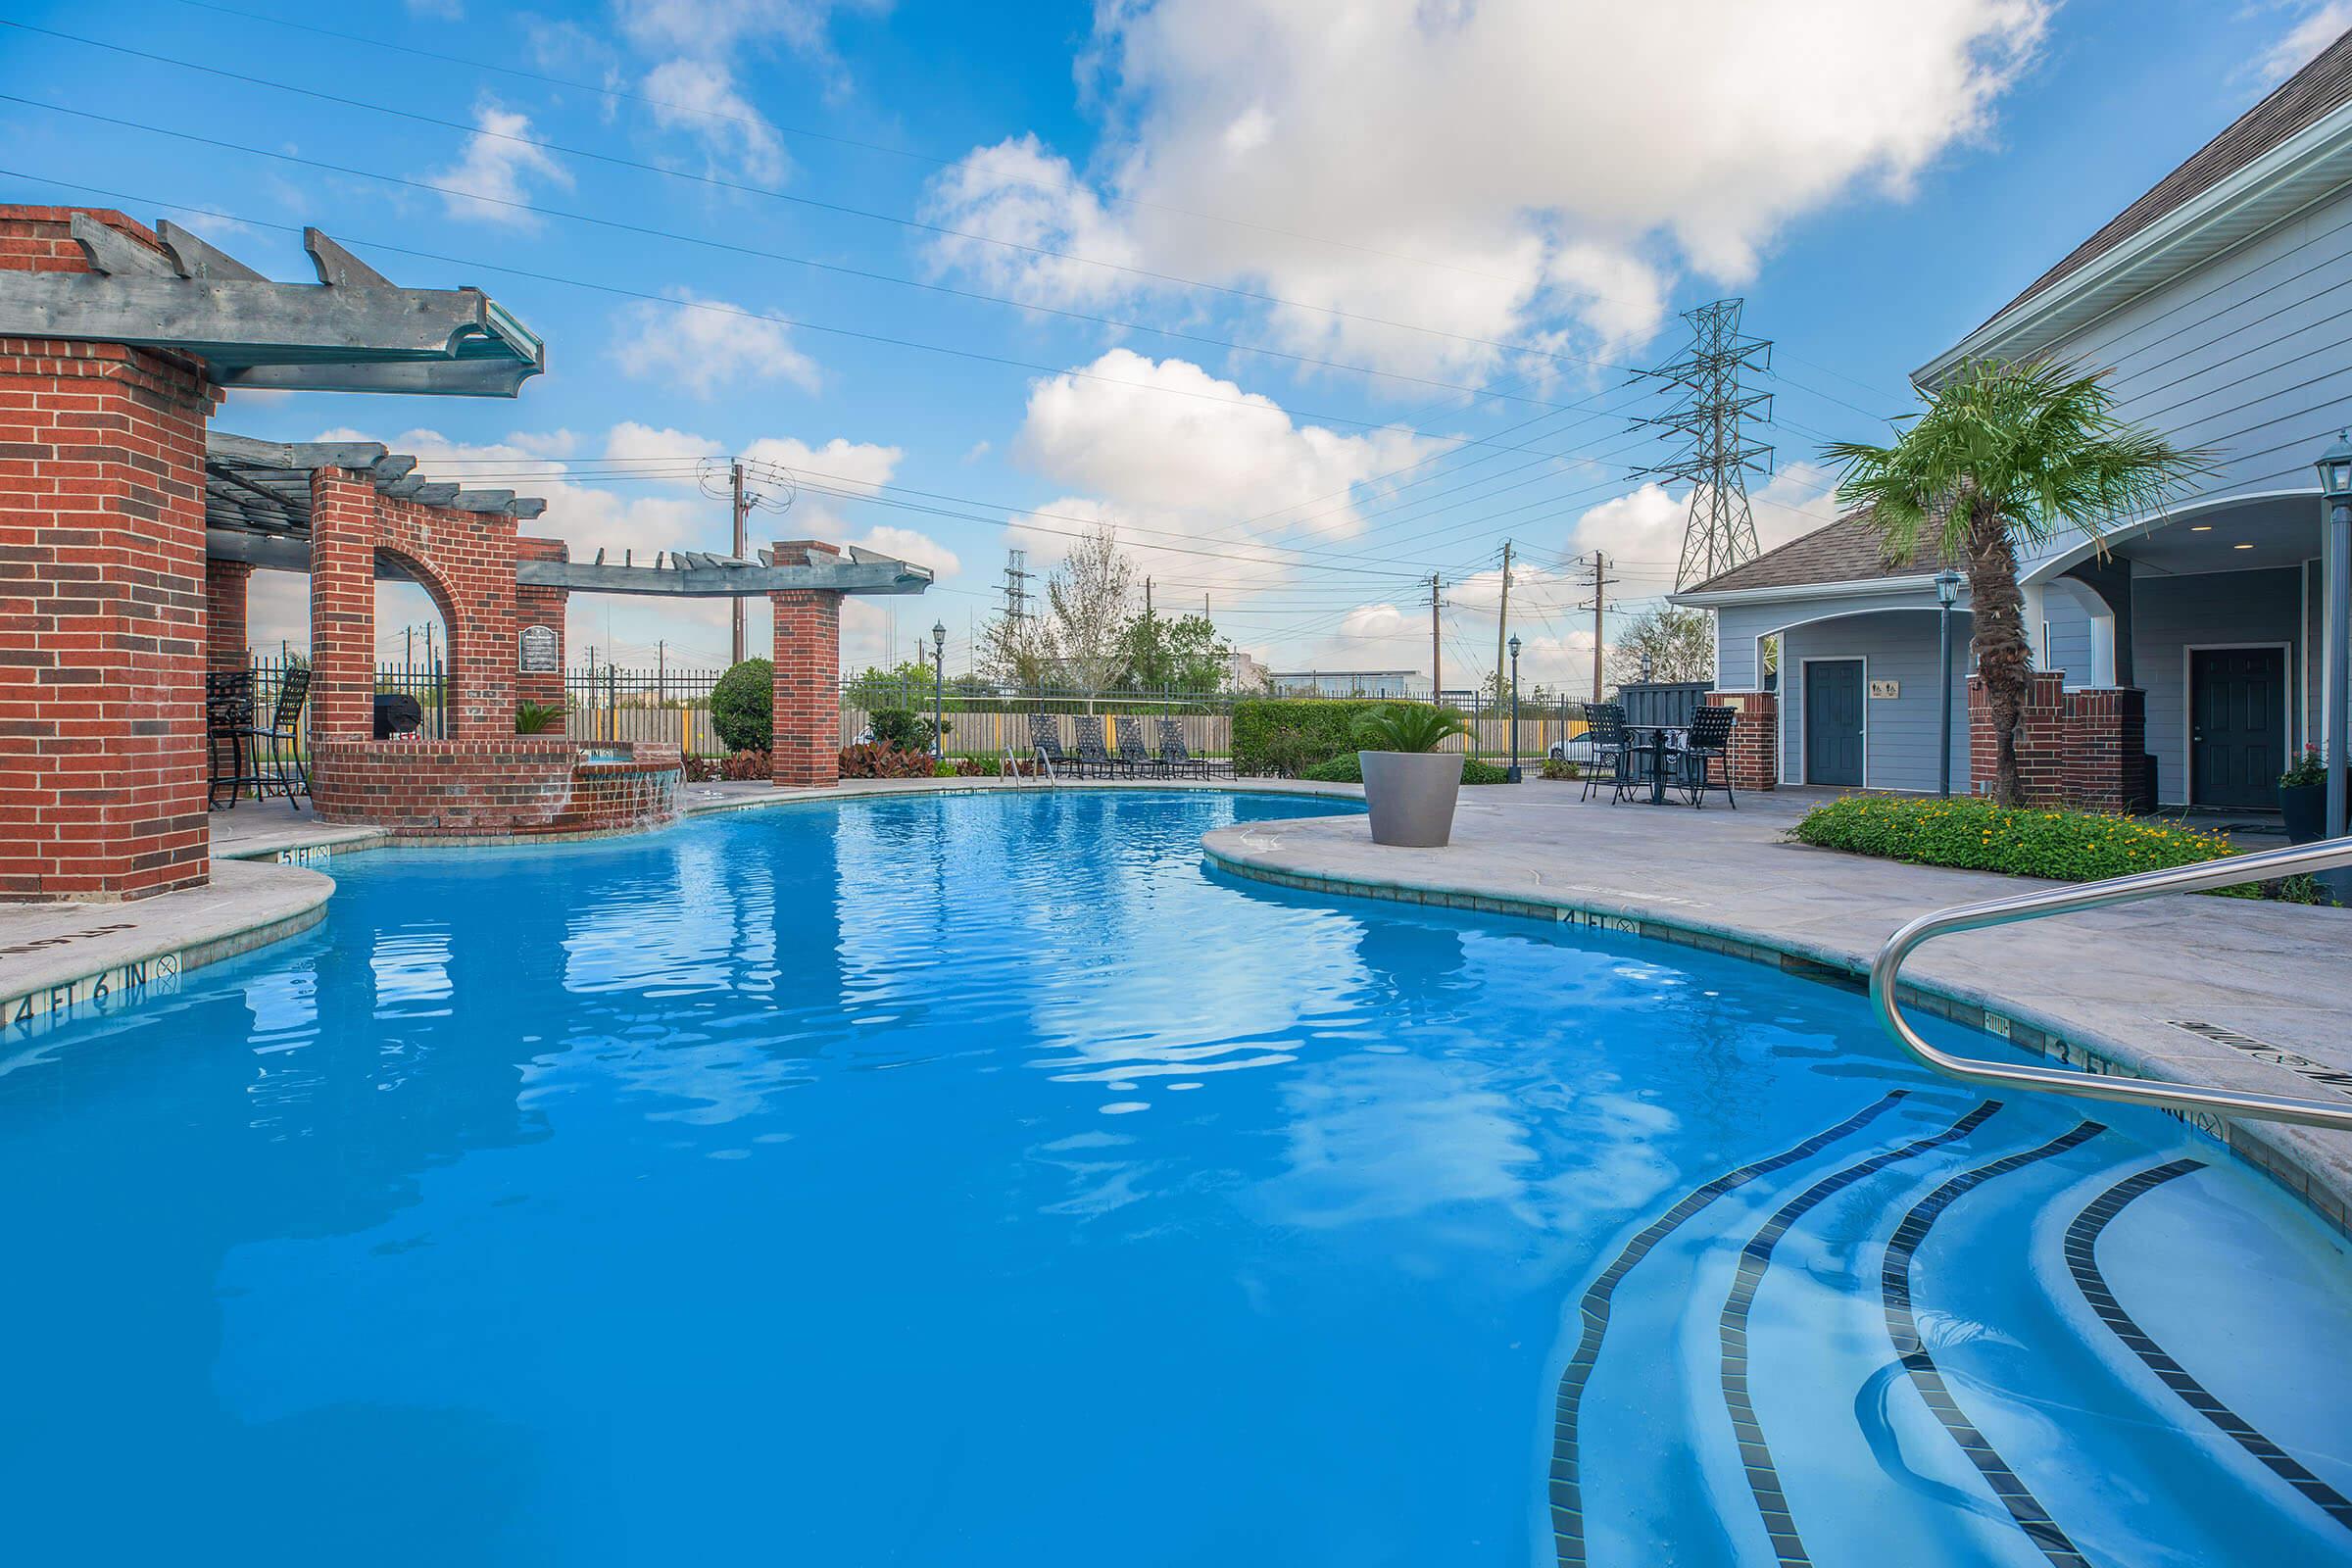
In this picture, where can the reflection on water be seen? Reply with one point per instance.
(960, 1180)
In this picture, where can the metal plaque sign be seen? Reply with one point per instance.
(537, 656)
(1885, 688)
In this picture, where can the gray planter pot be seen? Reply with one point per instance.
(1411, 795)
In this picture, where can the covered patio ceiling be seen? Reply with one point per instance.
(2270, 531)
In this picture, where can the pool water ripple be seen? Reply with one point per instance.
(980, 1180)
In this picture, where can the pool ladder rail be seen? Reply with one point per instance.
(2261, 866)
(1013, 768)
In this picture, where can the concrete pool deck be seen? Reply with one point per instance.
(2108, 990)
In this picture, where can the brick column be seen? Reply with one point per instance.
(2107, 749)
(225, 635)
(343, 532)
(540, 607)
(806, 745)
(102, 614)
(1755, 753)
(2041, 740)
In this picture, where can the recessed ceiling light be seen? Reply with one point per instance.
(2242, 546)
(2200, 528)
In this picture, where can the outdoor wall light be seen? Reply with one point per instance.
(2242, 546)
(2200, 528)
(1947, 588)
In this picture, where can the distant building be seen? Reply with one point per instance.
(1244, 673)
(1346, 682)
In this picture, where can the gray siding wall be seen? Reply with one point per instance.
(1735, 632)
(1899, 743)
(2247, 355)
(2169, 614)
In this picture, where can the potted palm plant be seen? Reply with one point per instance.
(1408, 783)
(2303, 796)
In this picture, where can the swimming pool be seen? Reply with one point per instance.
(979, 1180)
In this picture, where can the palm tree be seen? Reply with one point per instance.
(2008, 454)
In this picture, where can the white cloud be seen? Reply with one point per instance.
(1495, 170)
(909, 545)
(717, 26)
(498, 166)
(1168, 436)
(705, 345)
(2319, 26)
(632, 442)
(698, 97)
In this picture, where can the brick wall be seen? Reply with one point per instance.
(463, 560)
(540, 607)
(807, 688)
(519, 785)
(101, 603)
(1755, 753)
(226, 597)
(2085, 749)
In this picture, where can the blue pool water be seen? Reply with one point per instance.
(980, 1181)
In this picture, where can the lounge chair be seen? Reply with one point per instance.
(1176, 758)
(1044, 741)
(1704, 756)
(1611, 747)
(1133, 755)
(1093, 754)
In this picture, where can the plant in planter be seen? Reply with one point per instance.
(1408, 783)
(537, 718)
(2303, 796)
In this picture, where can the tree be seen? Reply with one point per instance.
(1678, 643)
(742, 706)
(2007, 454)
(1185, 654)
(1017, 651)
(1087, 596)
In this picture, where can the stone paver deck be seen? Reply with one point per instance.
(2112, 985)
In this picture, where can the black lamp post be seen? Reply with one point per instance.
(939, 690)
(1514, 773)
(1947, 589)
(2336, 484)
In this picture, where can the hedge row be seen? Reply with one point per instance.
(1349, 768)
(1977, 835)
(1288, 735)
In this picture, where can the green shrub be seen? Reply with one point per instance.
(1290, 734)
(1349, 768)
(537, 718)
(1560, 767)
(874, 760)
(743, 706)
(1978, 836)
(902, 729)
(1475, 772)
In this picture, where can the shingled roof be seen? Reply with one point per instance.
(2301, 100)
(1848, 550)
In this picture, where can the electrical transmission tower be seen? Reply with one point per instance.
(1016, 585)
(1710, 417)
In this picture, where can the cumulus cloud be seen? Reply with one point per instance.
(498, 166)
(2315, 28)
(1489, 171)
(701, 345)
(698, 97)
(1168, 436)
(697, 45)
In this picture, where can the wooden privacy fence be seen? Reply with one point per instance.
(987, 731)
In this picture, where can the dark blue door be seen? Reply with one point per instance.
(2236, 725)
(1834, 697)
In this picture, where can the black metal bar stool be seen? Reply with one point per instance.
(227, 721)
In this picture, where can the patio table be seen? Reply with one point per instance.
(1659, 747)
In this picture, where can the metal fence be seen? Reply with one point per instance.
(427, 683)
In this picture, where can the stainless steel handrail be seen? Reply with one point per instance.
(2262, 866)
(1047, 763)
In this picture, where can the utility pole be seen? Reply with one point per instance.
(1437, 656)
(741, 507)
(1601, 582)
(1502, 623)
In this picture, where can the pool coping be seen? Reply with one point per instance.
(2272, 1148)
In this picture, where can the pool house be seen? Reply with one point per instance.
(2186, 661)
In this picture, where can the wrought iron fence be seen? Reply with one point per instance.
(427, 683)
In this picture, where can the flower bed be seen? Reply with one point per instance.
(2062, 845)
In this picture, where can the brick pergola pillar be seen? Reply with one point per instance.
(806, 730)
(2106, 750)
(101, 603)
(226, 585)
(343, 531)
(2041, 740)
(539, 612)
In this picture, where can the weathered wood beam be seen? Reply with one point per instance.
(878, 577)
(338, 268)
(482, 500)
(194, 258)
(527, 507)
(246, 321)
(109, 250)
(302, 454)
(435, 495)
(451, 378)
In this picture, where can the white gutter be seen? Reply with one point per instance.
(1853, 588)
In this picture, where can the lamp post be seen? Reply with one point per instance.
(1947, 589)
(939, 691)
(1514, 773)
(2335, 485)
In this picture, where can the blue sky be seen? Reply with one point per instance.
(1374, 277)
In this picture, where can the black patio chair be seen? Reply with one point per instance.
(1178, 759)
(1093, 755)
(1611, 745)
(286, 774)
(1704, 760)
(227, 717)
(1045, 742)
(1133, 755)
